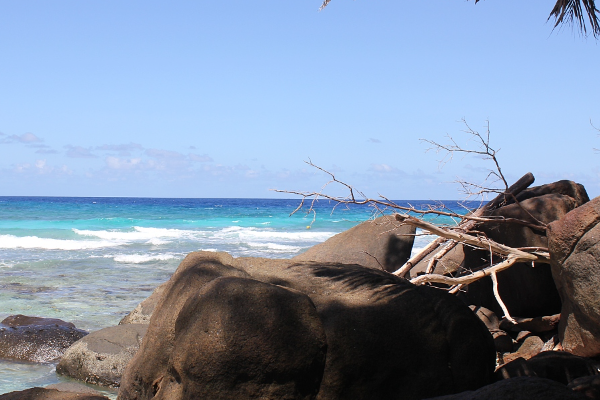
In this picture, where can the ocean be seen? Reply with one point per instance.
(92, 260)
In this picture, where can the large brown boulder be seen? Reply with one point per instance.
(385, 337)
(527, 291)
(240, 338)
(383, 243)
(574, 244)
(150, 363)
(101, 357)
(36, 339)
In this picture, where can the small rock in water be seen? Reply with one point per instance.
(36, 339)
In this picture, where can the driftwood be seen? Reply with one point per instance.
(467, 224)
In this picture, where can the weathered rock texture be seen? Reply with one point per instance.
(521, 388)
(385, 338)
(559, 366)
(259, 341)
(380, 244)
(527, 291)
(36, 339)
(38, 393)
(574, 243)
(101, 357)
(142, 313)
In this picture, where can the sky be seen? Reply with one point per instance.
(233, 98)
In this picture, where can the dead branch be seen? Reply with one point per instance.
(385, 203)
(467, 224)
(482, 149)
(498, 298)
(463, 232)
(466, 279)
(480, 242)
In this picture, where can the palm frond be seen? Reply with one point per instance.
(574, 12)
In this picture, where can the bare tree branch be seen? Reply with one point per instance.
(482, 149)
(476, 241)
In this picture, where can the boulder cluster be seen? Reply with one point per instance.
(334, 323)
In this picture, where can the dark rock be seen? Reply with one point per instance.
(502, 341)
(521, 388)
(101, 357)
(147, 366)
(564, 187)
(522, 335)
(142, 313)
(73, 387)
(386, 338)
(488, 317)
(529, 347)
(559, 366)
(239, 338)
(535, 325)
(449, 263)
(36, 339)
(587, 385)
(39, 393)
(527, 291)
(23, 320)
(383, 243)
(574, 244)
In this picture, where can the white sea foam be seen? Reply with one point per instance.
(275, 247)
(253, 234)
(142, 258)
(157, 242)
(138, 233)
(34, 242)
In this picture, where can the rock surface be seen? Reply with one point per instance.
(383, 243)
(24, 320)
(527, 291)
(385, 338)
(36, 339)
(521, 388)
(38, 393)
(142, 313)
(558, 366)
(574, 244)
(240, 338)
(101, 357)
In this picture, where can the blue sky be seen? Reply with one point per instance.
(228, 99)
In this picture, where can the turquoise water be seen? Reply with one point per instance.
(92, 260)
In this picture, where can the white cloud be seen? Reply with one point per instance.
(200, 158)
(79, 152)
(41, 166)
(26, 138)
(122, 163)
(164, 154)
(383, 168)
(121, 149)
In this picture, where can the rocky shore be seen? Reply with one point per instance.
(335, 323)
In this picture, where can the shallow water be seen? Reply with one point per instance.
(92, 260)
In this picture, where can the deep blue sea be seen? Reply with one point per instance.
(92, 260)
